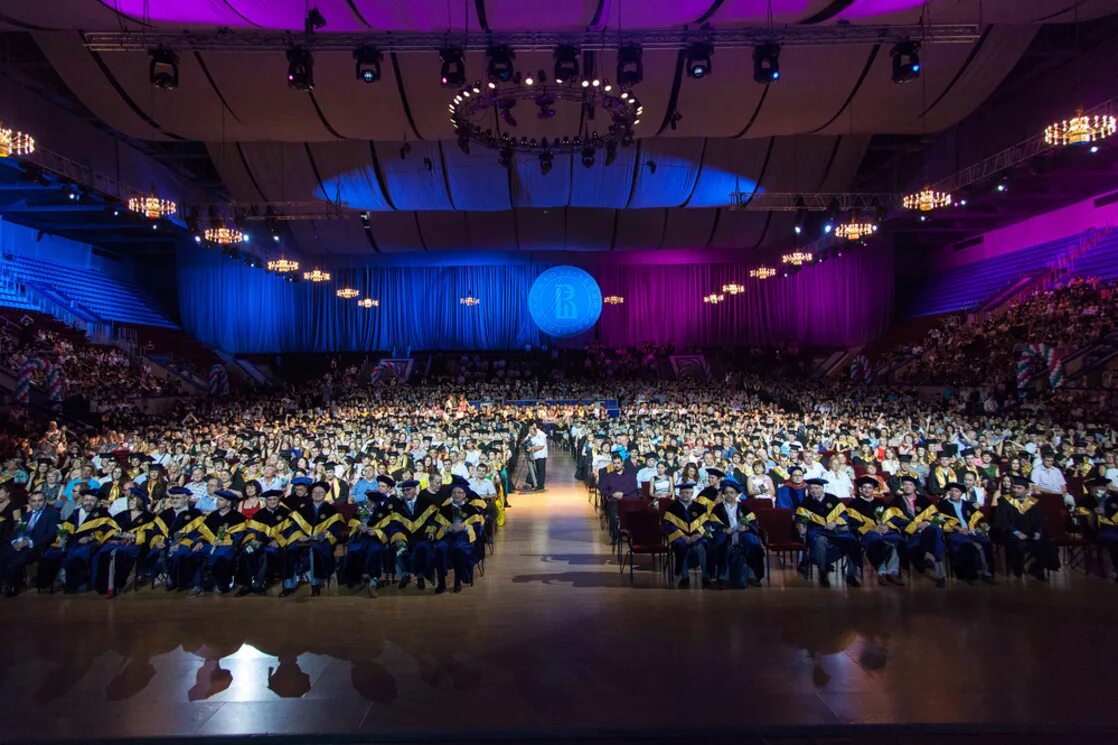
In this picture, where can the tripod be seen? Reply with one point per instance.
(525, 473)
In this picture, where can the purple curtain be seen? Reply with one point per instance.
(844, 301)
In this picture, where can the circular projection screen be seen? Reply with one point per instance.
(565, 301)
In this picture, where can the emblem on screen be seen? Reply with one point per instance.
(565, 301)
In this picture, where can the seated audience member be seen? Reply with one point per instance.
(688, 530)
(78, 538)
(1019, 524)
(968, 536)
(29, 539)
(823, 524)
(737, 546)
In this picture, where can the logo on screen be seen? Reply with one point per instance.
(565, 301)
(565, 308)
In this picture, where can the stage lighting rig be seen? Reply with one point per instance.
(314, 21)
(630, 67)
(698, 64)
(766, 63)
(906, 61)
(453, 71)
(367, 64)
(501, 68)
(300, 69)
(163, 70)
(566, 63)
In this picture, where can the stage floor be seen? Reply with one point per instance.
(553, 641)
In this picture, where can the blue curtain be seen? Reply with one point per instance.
(240, 310)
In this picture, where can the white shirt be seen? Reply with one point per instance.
(483, 487)
(814, 471)
(839, 484)
(460, 469)
(732, 515)
(1112, 477)
(1049, 479)
(119, 505)
(979, 496)
(645, 474)
(539, 440)
(276, 482)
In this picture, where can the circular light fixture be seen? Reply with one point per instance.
(713, 298)
(855, 229)
(1080, 129)
(926, 200)
(797, 258)
(762, 272)
(223, 235)
(469, 301)
(613, 300)
(152, 206)
(282, 266)
(15, 144)
(347, 293)
(733, 289)
(474, 109)
(316, 276)
(369, 303)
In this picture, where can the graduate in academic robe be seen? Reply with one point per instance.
(882, 542)
(312, 532)
(739, 554)
(458, 533)
(368, 542)
(709, 495)
(1103, 503)
(914, 515)
(943, 474)
(78, 538)
(896, 481)
(172, 525)
(791, 493)
(409, 534)
(262, 547)
(968, 536)
(822, 522)
(1019, 524)
(212, 547)
(688, 530)
(126, 547)
(299, 495)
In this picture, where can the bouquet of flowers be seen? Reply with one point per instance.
(363, 512)
(64, 531)
(458, 514)
(878, 514)
(983, 528)
(21, 529)
(938, 520)
(217, 541)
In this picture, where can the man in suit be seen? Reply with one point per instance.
(408, 534)
(30, 539)
(967, 534)
(86, 529)
(821, 521)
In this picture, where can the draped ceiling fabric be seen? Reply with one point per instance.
(842, 302)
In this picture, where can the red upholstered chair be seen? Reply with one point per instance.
(625, 509)
(753, 504)
(644, 536)
(779, 528)
(1056, 529)
(646, 490)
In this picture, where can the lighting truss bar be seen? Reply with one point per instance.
(254, 41)
(1012, 156)
(818, 202)
(283, 211)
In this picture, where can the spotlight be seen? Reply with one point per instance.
(197, 239)
(275, 238)
(314, 21)
(500, 63)
(1094, 148)
(766, 63)
(1002, 187)
(300, 69)
(545, 104)
(827, 228)
(698, 60)
(906, 61)
(453, 70)
(505, 158)
(587, 157)
(163, 70)
(566, 63)
(545, 162)
(367, 64)
(630, 68)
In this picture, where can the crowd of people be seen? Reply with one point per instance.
(266, 489)
(986, 354)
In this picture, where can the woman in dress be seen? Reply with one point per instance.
(760, 484)
(252, 503)
(662, 486)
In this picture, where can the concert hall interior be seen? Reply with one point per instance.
(558, 371)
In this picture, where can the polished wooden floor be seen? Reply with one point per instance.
(554, 643)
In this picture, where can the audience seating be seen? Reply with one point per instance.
(643, 536)
(779, 527)
(108, 298)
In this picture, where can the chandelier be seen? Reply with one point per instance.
(476, 109)
(762, 272)
(469, 301)
(926, 200)
(369, 303)
(1080, 129)
(733, 289)
(152, 206)
(14, 143)
(613, 300)
(347, 293)
(855, 229)
(797, 258)
(282, 266)
(713, 298)
(316, 276)
(224, 235)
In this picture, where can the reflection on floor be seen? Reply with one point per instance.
(554, 641)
